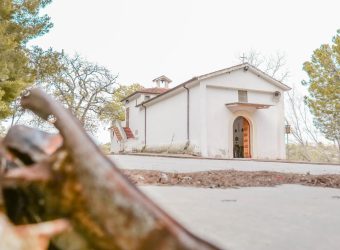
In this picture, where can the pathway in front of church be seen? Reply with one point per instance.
(176, 164)
(258, 218)
(285, 217)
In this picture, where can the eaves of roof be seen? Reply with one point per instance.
(146, 91)
(250, 67)
(169, 91)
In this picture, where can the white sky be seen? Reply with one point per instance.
(141, 40)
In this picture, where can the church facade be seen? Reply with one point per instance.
(237, 112)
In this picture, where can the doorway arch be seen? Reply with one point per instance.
(241, 138)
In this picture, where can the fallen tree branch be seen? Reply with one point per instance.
(105, 209)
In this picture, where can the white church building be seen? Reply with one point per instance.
(237, 112)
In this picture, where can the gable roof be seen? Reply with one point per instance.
(247, 66)
(153, 90)
(146, 91)
(170, 90)
(223, 71)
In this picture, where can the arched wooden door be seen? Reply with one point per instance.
(241, 138)
(246, 138)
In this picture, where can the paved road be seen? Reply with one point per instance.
(171, 164)
(285, 217)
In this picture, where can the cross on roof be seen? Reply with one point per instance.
(243, 58)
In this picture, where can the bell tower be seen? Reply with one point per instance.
(162, 82)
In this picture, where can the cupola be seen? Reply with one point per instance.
(162, 81)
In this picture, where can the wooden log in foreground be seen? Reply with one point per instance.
(52, 177)
(29, 237)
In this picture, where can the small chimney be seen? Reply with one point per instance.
(162, 82)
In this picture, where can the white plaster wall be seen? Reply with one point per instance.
(262, 97)
(195, 117)
(267, 125)
(136, 120)
(136, 124)
(267, 131)
(166, 121)
(115, 144)
(219, 121)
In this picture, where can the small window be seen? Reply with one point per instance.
(242, 96)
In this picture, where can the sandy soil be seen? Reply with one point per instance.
(230, 179)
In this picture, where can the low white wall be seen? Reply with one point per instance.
(115, 144)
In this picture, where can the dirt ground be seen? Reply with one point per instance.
(230, 179)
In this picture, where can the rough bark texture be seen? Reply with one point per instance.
(47, 180)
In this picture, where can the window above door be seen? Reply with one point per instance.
(242, 96)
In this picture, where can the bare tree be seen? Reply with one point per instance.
(273, 65)
(297, 112)
(303, 129)
(83, 87)
(18, 113)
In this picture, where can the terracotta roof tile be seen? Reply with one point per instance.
(147, 91)
(153, 90)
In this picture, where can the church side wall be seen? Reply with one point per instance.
(166, 124)
(136, 124)
(136, 120)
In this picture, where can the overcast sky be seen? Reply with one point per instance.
(141, 40)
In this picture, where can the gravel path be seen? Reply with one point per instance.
(230, 179)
